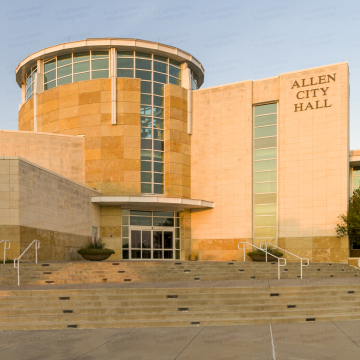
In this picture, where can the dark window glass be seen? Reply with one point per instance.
(125, 63)
(146, 133)
(158, 189)
(100, 74)
(174, 62)
(157, 240)
(163, 213)
(145, 99)
(81, 77)
(146, 87)
(160, 58)
(50, 76)
(145, 154)
(145, 121)
(158, 145)
(160, 67)
(145, 166)
(158, 101)
(168, 240)
(81, 67)
(177, 254)
(49, 85)
(136, 254)
(146, 144)
(125, 243)
(158, 112)
(50, 65)
(143, 64)
(146, 254)
(146, 188)
(99, 64)
(158, 221)
(158, 123)
(125, 53)
(125, 254)
(146, 177)
(139, 221)
(158, 156)
(161, 78)
(158, 167)
(159, 134)
(99, 54)
(144, 75)
(158, 178)
(158, 89)
(168, 254)
(142, 54)
(137, 212)
(146, 239)
(173, 71)
(157, 254)
(64, 60)
(64, 80)
(125, 73)
(175, 81)
(64, 71)
(81, 56)
(135, 239)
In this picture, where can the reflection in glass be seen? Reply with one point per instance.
(265, 142)
(146, 239)
(263, 154)
(265, 165)
(265, 198)
(265, 120)
(269, 187)
(265, 131)
(157, 240)
(135, 239)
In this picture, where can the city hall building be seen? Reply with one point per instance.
(117, 139)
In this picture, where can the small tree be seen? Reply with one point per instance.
(350, 222)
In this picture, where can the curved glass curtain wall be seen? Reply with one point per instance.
(154, 71)
(194, 80)
(30, 83)
(75, 67)
(265, 174)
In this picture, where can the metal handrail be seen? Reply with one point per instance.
(5, 248)
(16, 261)
(301, 259)
(266, 252)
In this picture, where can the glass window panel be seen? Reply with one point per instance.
(269, 187)
(160, 58)
(159, 221)
(265, 154)
(158, 156)
(157, 240)
(177, 252)
(356, 171)
(158, 89)
(158, 112)
(64, 60)
(177, 233)
(173, 71)
(168, 240)
(125, 254)
(142, 213)
(50, 76)
(145, 99)
(125, 220)
(125, 243)
(161, 78)
(265, 120)
(158, 101)
(124, 212)
(158, 145)
(146, 133)
(141, 54)
(143, 64)
(145, 110)
(146, 239)
(81, 67)
(174, 62)
(158, 123)
(125, 63)
(163, 213)
(146, 177)
(81, 56)
(175, 81)
(168, 254)
(158, 178)
(265, 209)
(158, 134)
(100, 74)
(145, 166)
(265, 198)
(145, 75)
(158, 167)
(125, 73)
(264, 165)
(136, 254)
(265, 221)
(146, 144)
(100, 64)
(64, 71)
(146, 87)
(125, 231)
(265, 143)
(81, 77)
(177, 223)
(145, 154)
(265, 109)
(356, 181)
(99, 54)
(158, 189)
(145, 121)
(160, 67)
(125, 53)
(50, 65)
(139, 221)
(265, 131)
(64, 80)
(265, 176)
(146, 254)
(49, 85)
(264, 232)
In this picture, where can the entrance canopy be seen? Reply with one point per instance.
(153, 202)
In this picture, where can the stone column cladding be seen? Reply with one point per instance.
(221, 170)
(26, 116)
(111, 229)
(36, 203)
(112, 152)
(177, 143)
(185, 235)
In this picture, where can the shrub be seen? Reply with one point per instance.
(270, 249)
(95, 251)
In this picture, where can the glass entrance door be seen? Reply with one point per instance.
(152, 245)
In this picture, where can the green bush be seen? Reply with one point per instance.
(270, 249)
(89, 251)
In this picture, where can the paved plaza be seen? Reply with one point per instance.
(306, 341)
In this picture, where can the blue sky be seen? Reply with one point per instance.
(234, 40)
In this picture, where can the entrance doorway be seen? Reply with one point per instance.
(155, 244)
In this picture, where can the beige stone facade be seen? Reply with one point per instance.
(91, 132)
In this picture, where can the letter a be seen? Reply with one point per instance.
(309, 106)
(296, 84)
